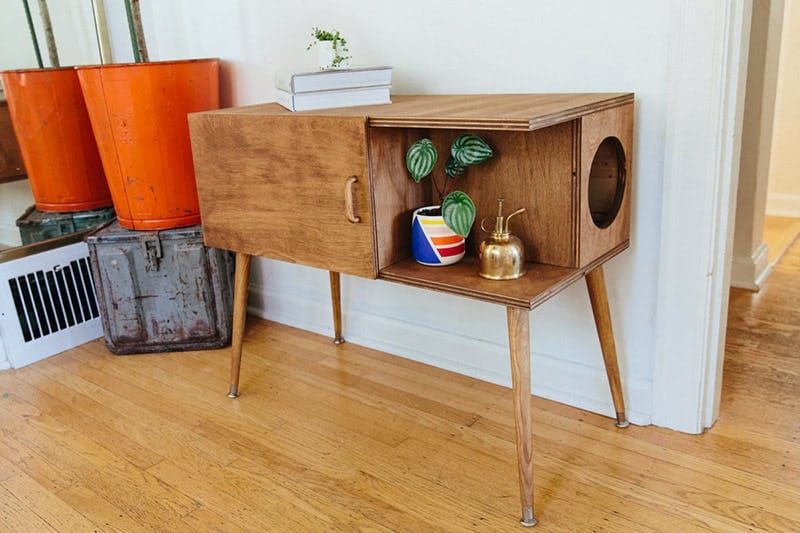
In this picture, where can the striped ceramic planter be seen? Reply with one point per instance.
(432, 242)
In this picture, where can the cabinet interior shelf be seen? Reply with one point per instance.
(540, 282)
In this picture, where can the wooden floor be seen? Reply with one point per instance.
(328, 438)
(779, 234)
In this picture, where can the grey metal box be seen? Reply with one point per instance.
(161, 291)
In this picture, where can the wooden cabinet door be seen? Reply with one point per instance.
(289, 187)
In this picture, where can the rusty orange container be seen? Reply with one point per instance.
(55, 139)
(138, 114)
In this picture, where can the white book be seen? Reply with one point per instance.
(326, 80)
(329, 99)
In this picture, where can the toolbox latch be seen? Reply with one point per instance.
(151, 244)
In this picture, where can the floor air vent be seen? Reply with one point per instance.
(47, 304)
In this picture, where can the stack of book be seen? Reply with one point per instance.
(324, 89)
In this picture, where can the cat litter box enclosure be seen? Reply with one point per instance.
(161, 291)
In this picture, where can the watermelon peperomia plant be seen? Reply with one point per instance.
(458, 209)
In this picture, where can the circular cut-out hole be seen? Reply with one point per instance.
(607, 182)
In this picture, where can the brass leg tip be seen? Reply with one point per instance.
(338, 340)
(622, 423)
(233, 392)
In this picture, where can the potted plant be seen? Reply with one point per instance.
(438, 232)
(331, 48)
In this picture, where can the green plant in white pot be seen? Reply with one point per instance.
(331, 48)
(431, 243)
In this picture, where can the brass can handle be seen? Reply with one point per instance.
(349, 210)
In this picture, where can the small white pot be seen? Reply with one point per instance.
(326, 54)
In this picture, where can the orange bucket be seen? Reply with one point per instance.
(138, 114)
(55, 138)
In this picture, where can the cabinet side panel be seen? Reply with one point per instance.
(278, 187)
(395, 194)
(595, 128)
(531, 169)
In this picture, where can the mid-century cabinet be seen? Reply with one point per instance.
(329, 189)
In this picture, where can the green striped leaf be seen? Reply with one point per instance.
(469, 149)
(453, 169)
(420, 158)
(458, 212)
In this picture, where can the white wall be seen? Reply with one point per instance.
(73, 28)
(15, 197)
(783, 196)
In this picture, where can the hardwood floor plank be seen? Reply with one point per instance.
(7, 469)
(31, 464)
(163, 424)
(247, 505)
(154, 504)
(675, 450)
(357, 465)
(203, 519)
(143, 497)
(107, 516)
(15, 515)
(82, 418)
(52, 510)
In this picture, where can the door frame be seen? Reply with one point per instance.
(708, 60)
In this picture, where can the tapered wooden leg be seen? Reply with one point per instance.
(596, 283)
(336, 304)
(240, 282)
(519, 343)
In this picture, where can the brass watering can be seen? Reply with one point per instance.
(502, 255)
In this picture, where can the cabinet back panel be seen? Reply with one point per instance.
(531, 169)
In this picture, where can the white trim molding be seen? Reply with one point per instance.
(708, 59)
(783, 205)
(751, 272)
(556, 379)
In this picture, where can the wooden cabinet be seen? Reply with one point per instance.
(276, 184)
(330, 189)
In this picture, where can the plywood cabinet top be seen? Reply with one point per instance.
(521, 112)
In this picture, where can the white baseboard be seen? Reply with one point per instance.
(783, 205)
(751, 272)
(556, 379)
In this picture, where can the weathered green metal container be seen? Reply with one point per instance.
(35, 225)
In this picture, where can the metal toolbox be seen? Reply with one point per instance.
(161, 291)
(35, 225)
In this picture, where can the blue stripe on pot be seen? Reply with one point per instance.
(421, 246)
